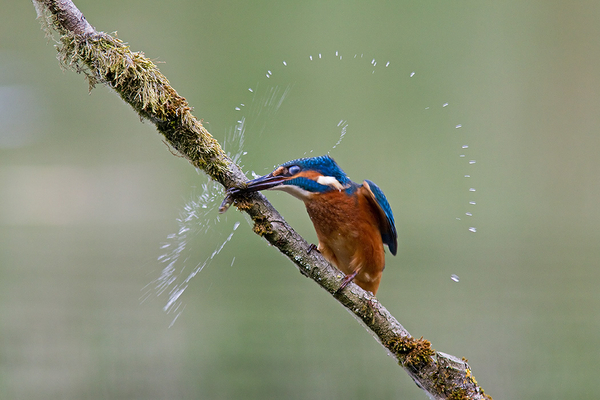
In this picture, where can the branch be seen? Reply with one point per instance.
(107, 60)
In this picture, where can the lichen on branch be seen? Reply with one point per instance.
(107, 60)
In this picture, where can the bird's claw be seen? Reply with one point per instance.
(312, 247)
(347, 280)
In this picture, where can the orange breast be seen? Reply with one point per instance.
(349, 237)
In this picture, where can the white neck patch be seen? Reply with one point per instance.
(330, 181)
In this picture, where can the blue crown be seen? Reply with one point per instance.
(324, 165)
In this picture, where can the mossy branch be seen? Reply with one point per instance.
(107, 60)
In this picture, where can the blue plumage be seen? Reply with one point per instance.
(353, 222)
(388, 235)
(322, 164)
(308, 184)
(326, 166)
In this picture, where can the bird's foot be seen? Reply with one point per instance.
(312, 247)
(347, 280)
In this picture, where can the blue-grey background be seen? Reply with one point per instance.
(89, 194)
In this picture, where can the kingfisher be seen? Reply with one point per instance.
(352, 221)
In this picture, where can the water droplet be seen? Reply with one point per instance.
(237, 108)
(458, 126)
(373, 62)
(427, 108)
(250, 90)
(236, 225)
(462, 155)
(387, 64)
(413, 74)
(472, 229)
(232, 261)
(445, 105)
(465, 146)
(284, 63)
(472, 161)
(467, 176)
(472, 203)
(336, 53)
(472, 190)
(319, 55)
(468, 214)
(310, 58)
(454, 277)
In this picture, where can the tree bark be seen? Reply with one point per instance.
(107, 60)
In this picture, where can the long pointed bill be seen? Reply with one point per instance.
(255, 185)
(262, 183)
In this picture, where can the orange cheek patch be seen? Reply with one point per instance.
(312, 175)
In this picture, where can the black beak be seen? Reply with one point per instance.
(262, 183)
(255, 185)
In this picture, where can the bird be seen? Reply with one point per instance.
(352, 221)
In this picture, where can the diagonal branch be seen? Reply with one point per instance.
(107, 60)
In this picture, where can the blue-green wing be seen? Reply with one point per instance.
(387, 226)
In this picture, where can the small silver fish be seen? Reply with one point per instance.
(227, 201)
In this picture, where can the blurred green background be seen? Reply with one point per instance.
(89, 195)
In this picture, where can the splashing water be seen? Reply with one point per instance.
(469, 163)
(196, 220)
(254, 115)
(344, 125)
(199, 218)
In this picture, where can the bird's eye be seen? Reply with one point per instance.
(293, 170)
